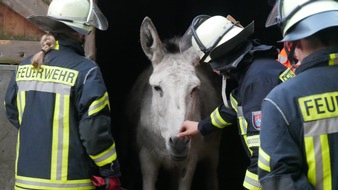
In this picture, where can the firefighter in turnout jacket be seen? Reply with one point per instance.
(225, 45)
(59, 102)
(299, 133)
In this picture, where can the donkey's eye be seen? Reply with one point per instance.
(159, 90)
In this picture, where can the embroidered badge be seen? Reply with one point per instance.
(257, 119)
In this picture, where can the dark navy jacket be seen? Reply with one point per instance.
(62, 112)
(259, 75)
(299, 134)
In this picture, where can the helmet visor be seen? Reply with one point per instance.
(274, 16)
(96, 18)
(185, 41)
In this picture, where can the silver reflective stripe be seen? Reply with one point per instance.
(44, 87)
(105, 156)
(253, 141)
(318, 127)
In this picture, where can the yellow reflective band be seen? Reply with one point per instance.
(105, 157)
(326, 160)
(233, 102)
(60, 146)
(99, 104)
(253, 141)
(251, 181)
(57, 45)
(263, 160)
(319, 106)
(311, 159)
(47, 73)
(37, 183)
(21, 101)
(243, 125)
(287, 74)
(217, 120)
(333, 60)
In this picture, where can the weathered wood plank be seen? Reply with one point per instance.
(28, 7)
(13, 51)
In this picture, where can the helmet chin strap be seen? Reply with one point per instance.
(224, 96)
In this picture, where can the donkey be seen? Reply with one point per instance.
(174, 88)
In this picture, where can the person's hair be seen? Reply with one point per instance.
(47, 43)
(328, 37)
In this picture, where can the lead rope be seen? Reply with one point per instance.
(224, 96)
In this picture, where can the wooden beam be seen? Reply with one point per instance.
(28, 7)
(13, 51)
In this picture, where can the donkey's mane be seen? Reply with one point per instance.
(172, 45)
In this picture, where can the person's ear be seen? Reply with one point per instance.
(299, 44)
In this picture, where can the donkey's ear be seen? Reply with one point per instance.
(150, 41)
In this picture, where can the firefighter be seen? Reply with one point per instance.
(226, 45)
(299, 134)
(58, 100)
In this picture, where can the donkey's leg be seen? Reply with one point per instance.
(211, 171)
(149, 167)
(187, 173)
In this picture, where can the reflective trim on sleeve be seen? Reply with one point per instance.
(105, 157)
(263, 160)
(251, 181)
(99, 104)
(217, 120)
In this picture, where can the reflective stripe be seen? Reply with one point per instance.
(105, 157)
(233, 102)
(60, 141)
(217, 120)
(99, 104)
(251, 181)
(333, 60)
(243, 124)
(21, 100)
(324, 126)
(264, 160)
(44, 87)
(318, 151)
(253, 141)
(34, 183)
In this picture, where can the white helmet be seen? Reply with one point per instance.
(301, 18)
(78, 15)
(214, 36)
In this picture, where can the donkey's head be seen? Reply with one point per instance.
(175, 87)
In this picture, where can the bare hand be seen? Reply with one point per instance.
(188, 129)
